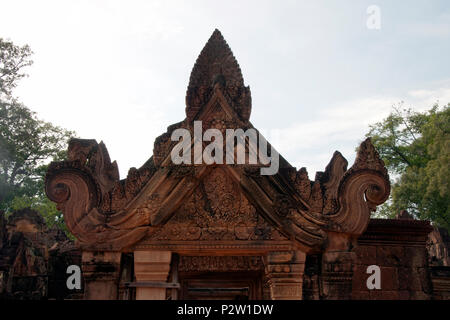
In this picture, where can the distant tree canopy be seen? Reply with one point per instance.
(27, 144)
(12, 60)
(416, 150)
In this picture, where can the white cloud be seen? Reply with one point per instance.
(425, 98)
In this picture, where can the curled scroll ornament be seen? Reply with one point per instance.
(359, 194)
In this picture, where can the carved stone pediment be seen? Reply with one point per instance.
(227, 204)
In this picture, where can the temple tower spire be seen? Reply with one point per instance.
(217, 66)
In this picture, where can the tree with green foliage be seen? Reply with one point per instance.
(415, 147)
(27, 144)
(12, 60)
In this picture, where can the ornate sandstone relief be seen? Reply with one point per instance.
(88, 191)
(339, 200)
(217, 210)
(220, 263)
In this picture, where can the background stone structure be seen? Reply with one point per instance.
(34, 259)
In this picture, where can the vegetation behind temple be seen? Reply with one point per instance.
(27, 144)
(415, 147)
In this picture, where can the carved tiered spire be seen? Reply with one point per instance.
(215, 60)
(216, 65)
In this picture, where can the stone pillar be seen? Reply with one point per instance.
(337, 275)
(151, 266)
(337, 267)
(284, 271)
(101, 275)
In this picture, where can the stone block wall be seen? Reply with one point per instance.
(398, 247)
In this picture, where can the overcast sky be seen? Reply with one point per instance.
(117, 71)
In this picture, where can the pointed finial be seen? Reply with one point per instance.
(216, 64)
(216, 59)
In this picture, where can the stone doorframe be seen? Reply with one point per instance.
(153, 269)
(283, 270)
(281, 262)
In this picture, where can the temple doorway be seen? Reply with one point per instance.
(221, 286)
